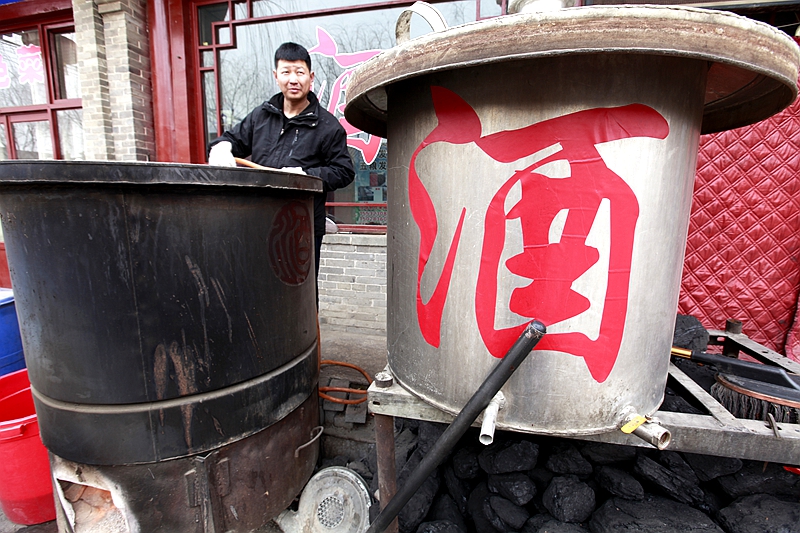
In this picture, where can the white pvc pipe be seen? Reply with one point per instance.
(490, 418)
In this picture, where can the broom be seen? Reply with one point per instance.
(751, 390)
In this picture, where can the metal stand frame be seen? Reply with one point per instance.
(716, 433)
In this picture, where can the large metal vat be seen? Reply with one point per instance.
(541, 166)
(168, 316)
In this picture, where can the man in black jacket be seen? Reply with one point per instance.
(292, 131)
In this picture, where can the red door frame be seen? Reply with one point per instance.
(32, 11)
(175, 92)
(41, 116)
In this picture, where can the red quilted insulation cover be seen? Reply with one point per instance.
(743, 251)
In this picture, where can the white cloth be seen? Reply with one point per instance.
(296, 170)
(221, 156)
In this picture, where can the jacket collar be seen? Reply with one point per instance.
(275, 105)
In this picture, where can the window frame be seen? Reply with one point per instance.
(47, 29)
(199, 49)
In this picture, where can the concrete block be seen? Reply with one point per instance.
(356, 413)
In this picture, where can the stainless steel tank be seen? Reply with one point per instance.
(542, 166)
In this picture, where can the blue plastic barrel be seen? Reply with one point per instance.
(11, 356)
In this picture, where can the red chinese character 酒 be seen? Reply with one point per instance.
(551, 267)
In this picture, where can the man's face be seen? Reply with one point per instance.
(294, 79)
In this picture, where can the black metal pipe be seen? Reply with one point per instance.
(534, 331)
(731, 365)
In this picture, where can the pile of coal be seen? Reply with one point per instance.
(531, 484)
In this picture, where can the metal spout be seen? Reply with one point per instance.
(490, 418)
(646, 429)
(658, 436)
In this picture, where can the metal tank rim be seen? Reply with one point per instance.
(502, 424)
(87, 173)
(753, 73)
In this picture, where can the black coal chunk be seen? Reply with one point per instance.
(541, 477)
(568, 460)
(535, 522)
(760, 513)
(428, 433)
(515, 487)
(465, 463)
(675, 403)
(404, 444)
(511, 514)
(674, 461)
(619, 483)
(439, 526)
(708, 467)
(652, 515)
(667, 481)
(414, 512)
(690, 333)
(494, 520)
(508, 456)
(458, 489)
(475, 506)
(569, 499)
(444, 508)
(753, 478)
(554, 526)
(601, 453)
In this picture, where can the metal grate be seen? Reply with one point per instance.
(330, 512)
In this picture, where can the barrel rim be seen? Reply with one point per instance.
(44, 172)
(755, 63)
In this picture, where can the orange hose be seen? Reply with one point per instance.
(323, 390)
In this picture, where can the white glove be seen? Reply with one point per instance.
(221, 156)
(296, 170)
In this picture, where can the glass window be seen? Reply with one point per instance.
(240, 10)
(32, 140)
(210, 101)
(491, 8)
(338, 44)
(68, 83)
(70, 133)
(207, 16)
(246, 78)
(266, 8)
(22, 79)
(40, 93)
(3, 143)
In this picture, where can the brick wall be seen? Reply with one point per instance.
(352, 283)
(114, 63)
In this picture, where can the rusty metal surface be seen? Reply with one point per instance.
(237, 488)
(146, 293)
(384, 446)
(75, 173)
(753, 72)
(179, 427)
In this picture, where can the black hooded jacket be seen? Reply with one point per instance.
(313, 140)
